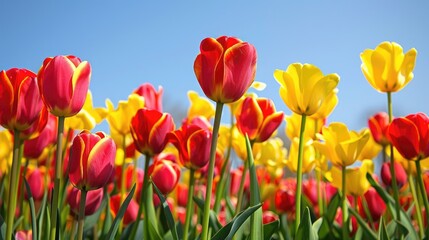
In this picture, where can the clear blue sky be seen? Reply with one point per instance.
(133, 42)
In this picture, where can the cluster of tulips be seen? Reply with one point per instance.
(60, 180)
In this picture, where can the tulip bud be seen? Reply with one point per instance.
(131, 211)
(152, 98)
(92, 203)
(165, 174)
(378, 126)
(401, 175)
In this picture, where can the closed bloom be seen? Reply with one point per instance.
(375, 203)
(356, 181)
(340, 145)
(387, 68)
(34, 178)
(225, 68)
(149, 129)
(304, 88)
(91, 161)
(378, 126)
(386, 176)
(20, 100)
(63, 83)
(312, 126)
(200, 107)
(131, 211)
(308, 159)
(152, 98)
(92, 203)
(271, 154)
(258, 118)
(410, 136)
(193, 144)
(165, 174)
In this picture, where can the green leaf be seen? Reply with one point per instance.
(41, 215)
(284, 227)
(167, 212)
(2, 228)
(108, 219)
(32, 209)
(120, 215)
(270, 229)
(390, 202)
(363, 224)
(228, 231)
(153, 233)
(305, 229)
(213, 221)
(382, 232)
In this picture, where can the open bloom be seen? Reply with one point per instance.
(304, 88)
(410, 136)
(91, 161)
(152, 98)
(378, 126)
(200, 107)
(63, 83)
(258, 118)
(271, 154)
(387, 68)
(225, 68)
(340, 145)
(356, 181)
(149, 129)
(20, 100)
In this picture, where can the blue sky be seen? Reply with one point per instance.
(132, 42)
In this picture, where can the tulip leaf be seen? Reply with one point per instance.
(305, 229)
(228, 231)
(167, 213)
(32, 209)
(115, 225)
(108, 219)
(382, 231)
(284, 227)
(153, 233)
(2, 228)
(213, 221)
(363, 224)
(270, 229)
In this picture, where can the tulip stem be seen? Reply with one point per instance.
(299, 175)
(241, 188)
(417, 203)
(14, 174)
(422, 188)
(123, 179)
(57, 182)
(392, 162)
(189, 205)
(207, 201)
(81, 218)
(344, 202)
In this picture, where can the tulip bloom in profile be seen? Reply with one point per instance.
(152, 98)
(149, 129)
(387, 68)
(193, 144)
(130, 213)
(356, 181)
(258, 118)
(410, 136)
(304, 88)
(91, 162)
(63, 83)
(165, 174)
(378, 126)
(308, 158)
(199, 107)
(20, 101)
(92, 203)
(225, 68)
(386, 176)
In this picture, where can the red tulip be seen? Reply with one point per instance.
(33, 148)
(63, 83)
(35, 179)
(257, 117)
(152, 98)
(225, 68)
(24, 235)
(165, 174)
(92, 203)
(131, 211)
(378, 125)
(285, 196)
(410, 136)
(375, 204)
(193, 143)
(386, 176)
(269, 216)
(149, 129)
(36, 127)
(91, 161)
(20, 101)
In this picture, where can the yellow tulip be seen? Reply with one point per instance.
(272, 155)
(308, 159)
(224, 139)
(341, 146)
(87, 117)
(327, 106)
(387, 68)
(200, 106)
(6, 143)
(304, 88)
(239, 144)
(293, 126)
(371, 148)
(356, 181)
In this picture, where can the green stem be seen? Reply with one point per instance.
(57, 181)
(367, 211)
(319, 191)
(206, 213)
(241, 188)
(417, 203)
(13, 184)
(299, 175)
(81, 218)
(392, 162)
(422, 188)
(123, 181)
(384, 153)
(189, 205)
(344, 203)
(73, 229)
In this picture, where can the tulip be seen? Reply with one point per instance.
(378, 125)
(34, 178)
(386, 176)
(387, 68)
(130, 213)
(149, 129)
(200, 106)
(356, 181)
(165, 175)
(269, 216)
(285, 196)
(304, 88)
(293, 126)
(24, 235)
(63, 83)
(152, 98)
(91, 160)
(34, 148)
(225, 68)
(193, 143)
(371, 149)
(36, 127)
(20, 100)
(6, 141)
(92, 203)
(271, 154)
(257, 117)
(308, 158)
(376, 205)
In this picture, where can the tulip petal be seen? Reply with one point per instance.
(404, 135)
(76, 162)
(100, 163)
(79, 85)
